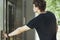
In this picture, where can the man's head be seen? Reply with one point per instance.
(39, 5)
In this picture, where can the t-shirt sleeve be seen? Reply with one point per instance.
(33, 23)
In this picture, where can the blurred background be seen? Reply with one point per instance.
(16, 13)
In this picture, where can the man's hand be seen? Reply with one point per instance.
(5, 35)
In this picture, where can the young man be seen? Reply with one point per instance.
(44, 23)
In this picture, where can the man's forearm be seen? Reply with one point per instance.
(15, 32)
(18, 31)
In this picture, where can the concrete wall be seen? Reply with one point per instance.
(1, 16)
(4, 16)
(18, 18)
(29, 15)
(24, 13)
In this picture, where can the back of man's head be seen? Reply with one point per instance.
(41, 4)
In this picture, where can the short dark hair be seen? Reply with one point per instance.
(41, 4)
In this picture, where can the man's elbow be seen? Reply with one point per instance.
(25, 28)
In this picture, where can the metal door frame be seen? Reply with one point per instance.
(7, 18)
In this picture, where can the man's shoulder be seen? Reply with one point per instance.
(49, 12)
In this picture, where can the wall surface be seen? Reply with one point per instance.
(1, 16)
(29, 15)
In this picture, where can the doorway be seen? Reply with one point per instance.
(10, 18)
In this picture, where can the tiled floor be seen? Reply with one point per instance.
(58, 33)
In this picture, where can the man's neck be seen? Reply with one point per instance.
(37, 13)
(41, 12)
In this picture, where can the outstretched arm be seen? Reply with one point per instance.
(18, 31)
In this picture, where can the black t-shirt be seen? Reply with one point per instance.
(45, 24)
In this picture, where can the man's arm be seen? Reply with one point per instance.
(19, 30)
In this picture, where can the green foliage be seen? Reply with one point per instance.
(54, 6)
